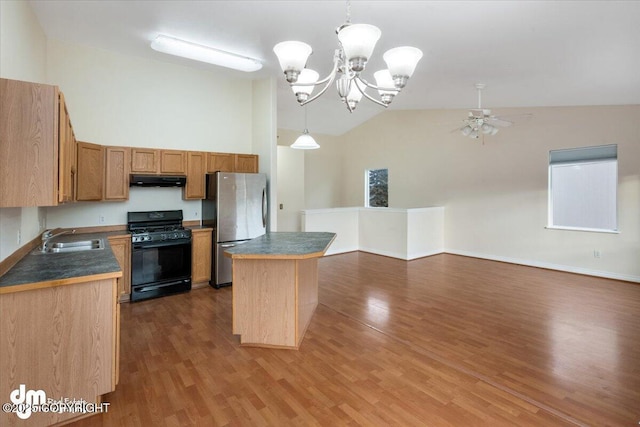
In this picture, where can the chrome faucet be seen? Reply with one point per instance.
(46, 236)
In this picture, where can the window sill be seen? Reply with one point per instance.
(591, 230)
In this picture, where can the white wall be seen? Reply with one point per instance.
(399, 233)
(116, 99)
(342, 221)
(495, 193)
(22, 57)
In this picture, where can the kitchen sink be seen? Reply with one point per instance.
(77, 246)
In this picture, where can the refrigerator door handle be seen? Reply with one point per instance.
(264, 207)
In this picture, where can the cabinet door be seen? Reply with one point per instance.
(145, 160)
(196, 169)
(121, 248)
(222, 162)
(116, 178)
(201, 255)
(90, 177)
(66, 154)
(247, 163)
(28, 144)
(173, 162)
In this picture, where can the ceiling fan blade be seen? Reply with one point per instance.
(499, 122)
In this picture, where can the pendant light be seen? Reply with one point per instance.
(305, 141)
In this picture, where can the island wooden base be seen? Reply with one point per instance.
(274, 300)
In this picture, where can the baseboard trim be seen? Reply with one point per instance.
(549, 266)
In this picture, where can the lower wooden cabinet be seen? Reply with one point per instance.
(121, 248)
(201, 255)
(61, 340)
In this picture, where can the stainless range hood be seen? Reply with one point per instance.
(157, 181)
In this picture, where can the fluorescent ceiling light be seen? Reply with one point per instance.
(198, 52)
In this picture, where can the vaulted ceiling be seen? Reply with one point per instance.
(529, 53)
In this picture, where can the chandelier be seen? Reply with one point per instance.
(356, 44)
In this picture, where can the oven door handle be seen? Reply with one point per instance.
(162, 244)
(154, 287)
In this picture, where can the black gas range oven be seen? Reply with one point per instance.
(160, 254)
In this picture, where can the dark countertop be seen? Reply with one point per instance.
(283, 245)
(53, 269)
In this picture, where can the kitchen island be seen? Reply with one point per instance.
(275, 287)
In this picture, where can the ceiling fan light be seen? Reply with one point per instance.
(198, 52)
(474, 134)
(292, 56)
(402, 61)
(494, 130)
(308, 76)
(466, 130)
(358, 42)
(305, 142)
(487, 128)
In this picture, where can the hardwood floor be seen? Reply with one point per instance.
(440, 341)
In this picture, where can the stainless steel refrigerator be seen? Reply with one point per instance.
(236, 208)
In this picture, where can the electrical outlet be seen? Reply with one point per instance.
(19, 237)
(195, 214)
(597, 253)
(101, 219)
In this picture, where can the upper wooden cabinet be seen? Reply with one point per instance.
(247, 163)
(229, 162)
(196, 171)
(173, 162)
(116, 173)
(223, 162)
(155, 161)
(67, 154)
(145, 160)
(90, 177)
(37, 152)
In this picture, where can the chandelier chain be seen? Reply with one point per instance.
(348, 11)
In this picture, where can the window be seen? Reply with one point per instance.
(376, 188)
(583, 186)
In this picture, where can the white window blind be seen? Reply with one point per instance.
(583, 186)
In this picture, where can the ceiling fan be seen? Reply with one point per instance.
(480, 120)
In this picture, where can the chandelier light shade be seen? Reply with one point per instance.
(384, 80)
(292, 56)
(356, 43)
(305, 84)
(402, 63)
(198, 52)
